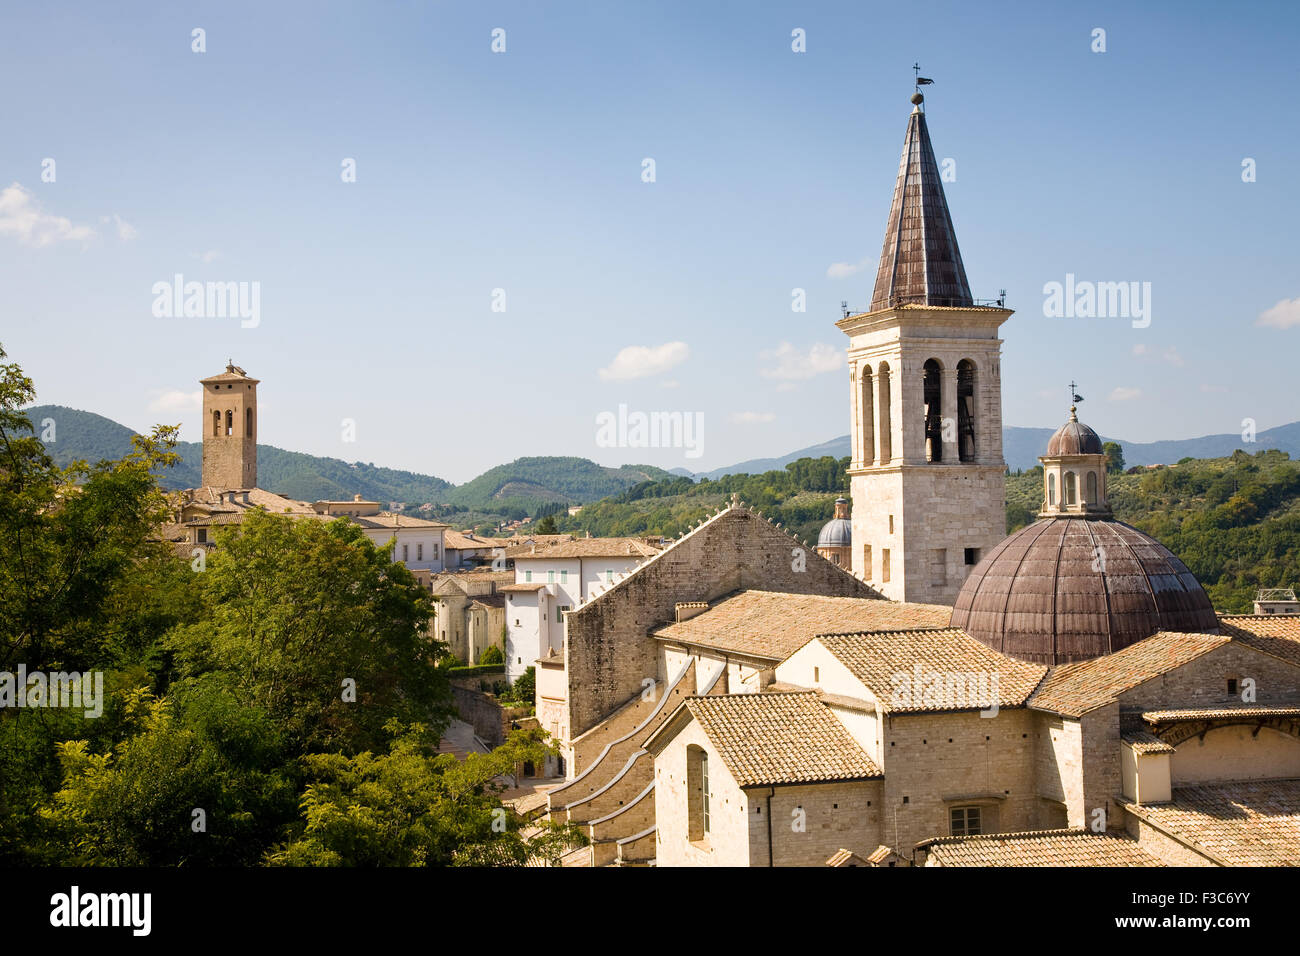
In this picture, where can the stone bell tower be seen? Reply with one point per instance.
(926, 472)
(230, 430)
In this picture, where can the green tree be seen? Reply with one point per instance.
(311, 622)
(1114, 457)
(492, 655)
(546, 525)
(411, 807)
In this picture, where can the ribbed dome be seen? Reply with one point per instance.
(836, 533)
(1074, 438)
(1069, 589)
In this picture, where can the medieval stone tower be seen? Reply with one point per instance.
(230, 430)
(926, 472)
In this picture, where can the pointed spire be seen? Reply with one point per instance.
(920, 263)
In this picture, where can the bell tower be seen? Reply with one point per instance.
(230, 430)
(926, 469)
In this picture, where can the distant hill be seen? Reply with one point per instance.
(520, 486)
(1022, 446)
(558, 480)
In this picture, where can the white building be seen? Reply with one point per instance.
(550, 580)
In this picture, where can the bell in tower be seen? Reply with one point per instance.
(926, 470)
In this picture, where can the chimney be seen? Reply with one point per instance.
(688, 609)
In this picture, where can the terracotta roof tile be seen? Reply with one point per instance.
(586, 548)
(773, 625)
(1278, 636)
(1242, 823)
(877, 659)
(1215, 713)
(780, 738)
(1040, 848)
(1075, 689)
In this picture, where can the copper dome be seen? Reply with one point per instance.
(1069, 589)
(1074, 438)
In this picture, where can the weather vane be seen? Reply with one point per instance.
(1076, 396)
(920, 80)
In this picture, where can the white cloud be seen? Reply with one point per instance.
(1169, 355)
(791, 363)
(1282, 316)
(639, 361)
(124, 229)
(1124, 394)
(21, 216)
(842, 270)
(751, 418)
(177, 401)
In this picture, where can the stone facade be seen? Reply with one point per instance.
(608, 650)
(923, 515)
(230, 430)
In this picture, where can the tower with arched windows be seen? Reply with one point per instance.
(926, 469)
(230, 430)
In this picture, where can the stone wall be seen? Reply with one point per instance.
(933, 762)
(608, 651)
(810, 822)
(1203, 682)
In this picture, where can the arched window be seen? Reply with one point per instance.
(885, 439)
(1092, 488)
(1051, 491)
(1070, 495)
(216, 423)
(931, 392)
(230, 422)
(697, 792)
(868, 446)
(966, 410)
(248, 423)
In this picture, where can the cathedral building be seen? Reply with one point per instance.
(921, 689)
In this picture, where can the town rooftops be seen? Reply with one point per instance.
(585, 548)
(1039, 848)
(388, 521)
(521, 588)
(767, 739)
(773, 625)
(1076, 689)
(1241, 823)
(467, 541)
(925, 656)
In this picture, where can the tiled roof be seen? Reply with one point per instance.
(227, 498)
(586, 548)
(387, 520)
(1244, 823)
(1145, 742)
(1075, 689)
(522, 588)
(877, 659)
(1279, 636)
(780, 738)
(1216, 713)
(465, 542)
(880, 854)
(773, 625)
(1040, 848)
(846, 858)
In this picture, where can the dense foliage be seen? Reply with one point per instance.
(275, 701)
(801, 496)
(1235, 522)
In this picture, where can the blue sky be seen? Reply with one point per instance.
(522, 171)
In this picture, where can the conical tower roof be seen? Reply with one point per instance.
(920, 263)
